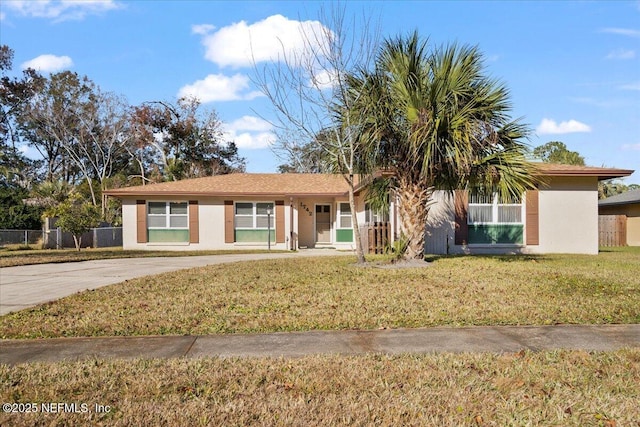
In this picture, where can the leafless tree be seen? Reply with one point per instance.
(86, 127)
(311, 98)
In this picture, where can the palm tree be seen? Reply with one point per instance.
(436, 121)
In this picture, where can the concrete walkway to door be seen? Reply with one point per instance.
(29, 285)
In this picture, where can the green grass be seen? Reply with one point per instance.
(334, 293)
(14, 256)
(550, 388)
(567, 388)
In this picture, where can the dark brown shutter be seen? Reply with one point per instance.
(228, 222)
(533, 220)
(194, 223)
(141, 221)
(461, 203)
(279, 221)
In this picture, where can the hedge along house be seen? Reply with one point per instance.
(292, 211)
(561, 216)
(283, 211)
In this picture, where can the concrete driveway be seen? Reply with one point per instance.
(27, 286)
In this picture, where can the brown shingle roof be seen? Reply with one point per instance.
(556, 169)
(285, 184)
(303, 184)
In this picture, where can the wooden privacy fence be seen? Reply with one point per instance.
(612, 230)
(375, 236)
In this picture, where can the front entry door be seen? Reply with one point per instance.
(323, 223)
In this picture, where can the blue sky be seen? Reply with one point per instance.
(573, 68)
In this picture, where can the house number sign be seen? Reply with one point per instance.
(303, 206)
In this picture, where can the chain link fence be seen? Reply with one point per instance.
(102, 237)
(20, 237)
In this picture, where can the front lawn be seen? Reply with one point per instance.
(10, 257)
(334, 293)
(567, 388)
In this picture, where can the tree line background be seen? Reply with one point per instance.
(89, 140)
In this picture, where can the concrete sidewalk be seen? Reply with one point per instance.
(493, 339)
(29, 285)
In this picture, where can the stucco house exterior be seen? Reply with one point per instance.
(292, 211)
(627, 204)
(239, 211)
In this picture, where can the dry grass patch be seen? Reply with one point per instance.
(9, 257)
(568, 388)
(333, 293)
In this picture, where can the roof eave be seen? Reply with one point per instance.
(601, 175)
(217, 194)
(628, 202)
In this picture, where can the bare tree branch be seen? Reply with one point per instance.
(311, 98)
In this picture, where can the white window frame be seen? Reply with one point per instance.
(340, 215)
(167, 215)
(371, 216)
(495, 205)
(255, 215)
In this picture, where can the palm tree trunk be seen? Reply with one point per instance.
(413, 209)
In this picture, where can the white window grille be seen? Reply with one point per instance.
(168, 215)
(492, 209)
(254, 215)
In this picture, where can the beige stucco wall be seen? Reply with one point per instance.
(211, 227)
(306, 217)
(440, 231)
(633, 231)
(129, 224)
(211, 224)
(568, 219)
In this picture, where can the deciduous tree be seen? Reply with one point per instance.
(78, 129)
(15, 167)
(76, 216)
(309, 92)
(557, 152)
(184, 140)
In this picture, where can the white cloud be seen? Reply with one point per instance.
(61, 10)
(202, 29)
(240, 44)
(631, 86)
(2, 16)
(631, 147)
(251, 123)
(218, 87)
(622, 31)
(548, 126)
(621, 54)
(250, 132)
(251, 141)
(325, 79)
(48, 63)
